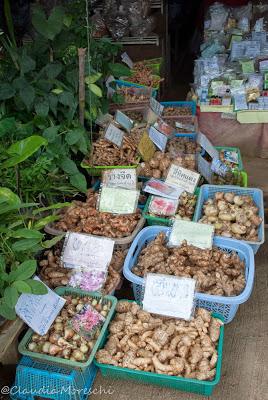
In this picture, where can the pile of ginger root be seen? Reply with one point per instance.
(216, 272)
(232, 216)
(84, 217)
(142, 341)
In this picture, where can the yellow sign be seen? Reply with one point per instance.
(146, 147)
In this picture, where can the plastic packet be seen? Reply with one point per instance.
(162, 206)
(143, 27)
(99, 27)
(218, 16)
(117, 200)
(163, 127)
(118, 25)
(240, 99)
(89, 280)
(87, 322)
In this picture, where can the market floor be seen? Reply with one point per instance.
(245, 356)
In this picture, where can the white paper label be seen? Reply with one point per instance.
(118, 200)
(240, 102)
(120, 177)
(207, 145)
(204, 167)
(156, 106)
(231, 156)
(110, 90)
(127, 60)
(87, 251)
(39, 311)
(114, 135)
(196, 234)
(123, 120)
(183, 178)
(160, 188)
(159, 139)
(170, 296)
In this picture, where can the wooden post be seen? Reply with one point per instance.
(82, 93)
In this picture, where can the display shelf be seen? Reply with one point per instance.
(148, 40)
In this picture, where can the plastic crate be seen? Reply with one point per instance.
(244, 177)
(120, 84)
(188, 119)
(174, 382)
(223, 305)
(190, 104)
(153, 220)
(46, 381)
(45, 358)
(208, 191)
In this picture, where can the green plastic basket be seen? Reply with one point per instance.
(45, 358)
(244, 177)
(97, 170)
(204, 388)
(152, 220)
(237, 150)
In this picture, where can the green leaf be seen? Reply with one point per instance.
(7, 125)
(93, 78)
(67, 20)
(27, 95)
(53, 70)
(23, 149)
(50, 243)
(53, 103)
(57, 91)
(37, 287)
(22, 287)
(83, 145)
(69, 166)
(79, 181)
(7, 312)
(11, 296)
(7, 196)
(95, 89)
(74, 136)
(27, 234)
(46, 220)
(41, 107)
(51, 133)
(55, 206)
(24, 270)
(66, 98)
(2, 263)
(72, 78)
(50, 27)
(27, 64)
(24, 244)
(119, 70)
(6, 91)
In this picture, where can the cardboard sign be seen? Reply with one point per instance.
(39, 311)
(156, 106)
(204, 167)
(87, 251)
(118, 200)
(159, 139)
(207, 145)
(169, 295)
(183, 178)
(123, 120)
(160, 188)
(127, 60)
(146, 147)
(114, 135)
(120, 177)
(196, 234)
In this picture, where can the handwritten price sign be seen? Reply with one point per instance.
(168, 295)
(120, 177)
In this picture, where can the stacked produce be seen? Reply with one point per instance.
(135, 94)
(143, 75)
(216, 272)
(84, 217)
(233, 216)
(61, 340)
(141, 341)
(170, 111)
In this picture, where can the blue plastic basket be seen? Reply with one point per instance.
(34, 379)
(190, 104)
(208, 192)
(120, 83)
(225, 306)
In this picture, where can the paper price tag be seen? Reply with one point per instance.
(183, 178)
(207, 145)
(160, 188)
(219, 168)
(146, 147)
(87, 251)
(247, 66)
(204, 167)
(110, 90)
(118, 201)
(196, 234)
(156, 106)
(114, 135)
(39, 311)
(127, 60)
(124, 120)
(125, 178)
(170, 296)
(159, 139)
